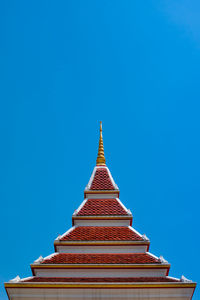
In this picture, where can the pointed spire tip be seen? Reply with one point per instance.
(101, 161)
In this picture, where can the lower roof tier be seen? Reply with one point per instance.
(98, 279)
(101, 290)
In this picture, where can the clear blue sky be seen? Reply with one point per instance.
(66, 65)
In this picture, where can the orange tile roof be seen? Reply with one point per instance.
(101, 180)
(101, 233)
(102, 207)
(104, 279)
(131, 258)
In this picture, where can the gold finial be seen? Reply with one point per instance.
(101, 158)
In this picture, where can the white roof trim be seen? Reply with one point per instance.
(16, 279)
(80, 206)
(145, 238)
(124, 207)
(112, 180)
(68, 231)
(91, 179)
(50, 256)
(38, 260)
(58, 238)
(170, 277)
(184, 279)
(41, 259)
(153, 255)
(162, 260)
(135, 231)
(26, 278)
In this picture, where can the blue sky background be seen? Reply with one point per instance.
(66, 65)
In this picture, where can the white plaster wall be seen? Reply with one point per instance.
(100, 272)
(101, 196)
(98, 294)
(102, 249)
(102, 222)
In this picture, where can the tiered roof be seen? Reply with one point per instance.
(101, 250)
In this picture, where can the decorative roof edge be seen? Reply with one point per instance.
(184, 279)
(39, 260)
(16, 279)
(103, 266)
(79, 208)
(60, 236)
(100, 285)
(162, 260)
(101, 243)
(135, 231)
(124, 207)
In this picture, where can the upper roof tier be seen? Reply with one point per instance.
(101, 179)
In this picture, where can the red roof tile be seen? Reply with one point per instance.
(101, 233)
(133, 258)
(105, 279)
(101, 180)
(102, 207)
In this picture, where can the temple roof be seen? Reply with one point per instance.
(102, 247)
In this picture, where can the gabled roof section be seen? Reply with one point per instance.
(102, 207)
(101, 233)
(101, 180)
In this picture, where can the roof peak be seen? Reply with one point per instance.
(101, 161)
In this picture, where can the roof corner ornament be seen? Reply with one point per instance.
(16, 279)
(101, 161)
(58, 238)
(162, 260)
(129, 212)
(184, 279)
(39, 260)
(75, 212)
(145, 238)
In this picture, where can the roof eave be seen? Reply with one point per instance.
(101, 285)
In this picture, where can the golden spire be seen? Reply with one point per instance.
(101, 158)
